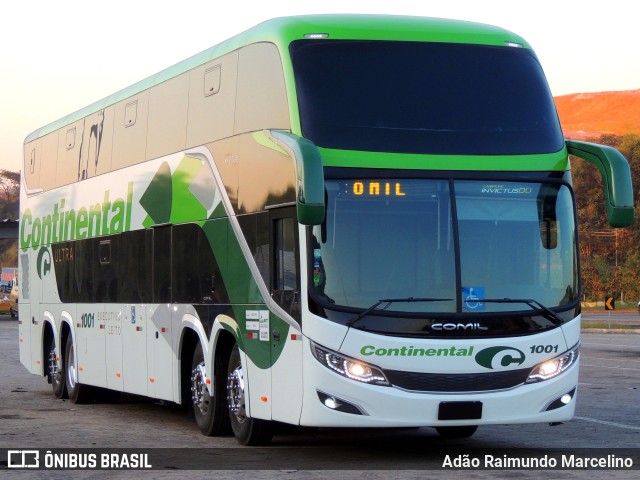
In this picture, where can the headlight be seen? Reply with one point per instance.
(554, 367)
(349, 367)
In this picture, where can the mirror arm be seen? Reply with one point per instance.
(616, 178)
(309, 176)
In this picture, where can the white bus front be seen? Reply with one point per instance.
(445, 301)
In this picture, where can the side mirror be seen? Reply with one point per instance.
(616, 178)
(309, 176)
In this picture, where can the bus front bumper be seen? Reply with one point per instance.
(331, 400)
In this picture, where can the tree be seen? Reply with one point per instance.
(9, 194)
(9, 210)
(610, 258)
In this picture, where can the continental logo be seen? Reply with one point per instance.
(371, 350)
(61, 225)
(43, 265)
(176, 197)
(492, 358)
(497, 357)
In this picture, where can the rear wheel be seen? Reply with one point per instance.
(78, 393)
(457, 432)
(55, 371)
(247, 430)
(210, 411)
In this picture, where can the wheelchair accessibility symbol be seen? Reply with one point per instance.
(473, 297)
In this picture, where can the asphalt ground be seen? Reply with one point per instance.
(607, 419)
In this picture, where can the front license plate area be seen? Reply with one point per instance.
(460, 411)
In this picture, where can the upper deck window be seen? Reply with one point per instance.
(425, 98)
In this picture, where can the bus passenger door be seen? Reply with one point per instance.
(286, 340)
(134, 350)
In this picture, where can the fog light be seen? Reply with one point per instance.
(331, 402)
(562, 401)
(339, 404)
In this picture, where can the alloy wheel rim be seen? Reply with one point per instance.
(199, 391)
(235, 393)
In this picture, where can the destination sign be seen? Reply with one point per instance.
(377, 188)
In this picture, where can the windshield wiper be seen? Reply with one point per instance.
(388, 302)
(534, 304)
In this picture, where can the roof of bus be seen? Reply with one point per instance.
(282, 31)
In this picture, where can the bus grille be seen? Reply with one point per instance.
(465, 382)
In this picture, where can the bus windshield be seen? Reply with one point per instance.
(456, 241)
(424, 98)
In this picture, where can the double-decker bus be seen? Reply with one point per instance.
(353, 221)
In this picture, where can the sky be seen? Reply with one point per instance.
(57, 57)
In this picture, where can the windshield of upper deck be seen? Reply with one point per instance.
(424, 98)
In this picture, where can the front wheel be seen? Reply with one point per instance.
(247, 430)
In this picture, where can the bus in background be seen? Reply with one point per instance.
(335, 221)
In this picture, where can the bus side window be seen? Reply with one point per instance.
(286, 282)
(108, 283)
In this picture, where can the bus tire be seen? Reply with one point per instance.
(55, 373)
(247, 430)
(78, 393)
(209, 411)
(464, 431)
